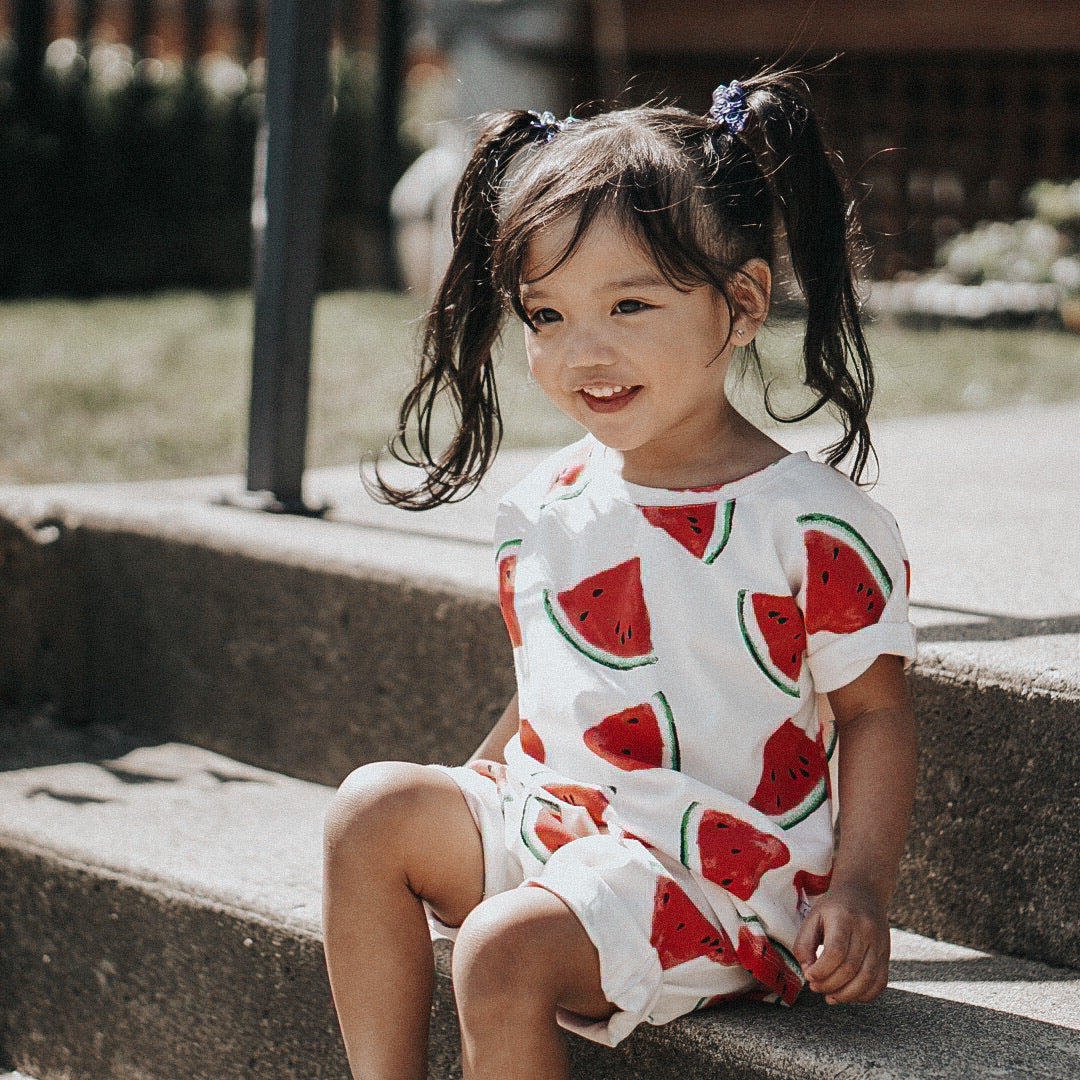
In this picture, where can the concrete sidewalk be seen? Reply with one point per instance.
(988, 502)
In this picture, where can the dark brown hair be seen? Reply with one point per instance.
(702, 201)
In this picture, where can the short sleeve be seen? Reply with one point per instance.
(854, 595)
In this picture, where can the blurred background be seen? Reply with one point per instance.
(128, 134)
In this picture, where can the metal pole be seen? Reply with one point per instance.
(288, 253)
(30, 18)
(386, 147)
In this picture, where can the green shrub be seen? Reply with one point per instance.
(124, 177)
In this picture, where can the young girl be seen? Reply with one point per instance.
(648, 829)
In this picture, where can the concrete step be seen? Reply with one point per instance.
(161, 919)
(176, 612)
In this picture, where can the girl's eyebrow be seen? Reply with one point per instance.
(638, 281)
(535, 291)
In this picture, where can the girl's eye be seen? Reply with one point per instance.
(544, 316)
(629, 307)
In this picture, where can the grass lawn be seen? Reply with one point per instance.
(153, 387)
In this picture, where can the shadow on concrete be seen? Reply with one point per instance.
(991, 626)
(72, 798)
(978, 969)
(30, 740)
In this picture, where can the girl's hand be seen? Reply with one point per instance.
(843, 945)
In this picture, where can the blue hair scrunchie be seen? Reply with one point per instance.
(729, 109)
(546, 125)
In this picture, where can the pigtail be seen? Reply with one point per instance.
(461, 328)
(818, 223)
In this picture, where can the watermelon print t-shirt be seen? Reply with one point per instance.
(668, 648)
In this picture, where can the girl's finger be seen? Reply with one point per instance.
(867, 980)
(844, 968)
(808, 940)
(833, 954)
(870, 980)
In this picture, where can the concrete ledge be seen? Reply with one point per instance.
(302, 646)
(203, 957)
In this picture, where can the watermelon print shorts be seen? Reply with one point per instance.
(660, 957)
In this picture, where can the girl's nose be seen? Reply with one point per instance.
(587, 349)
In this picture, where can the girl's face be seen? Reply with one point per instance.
(636, 361)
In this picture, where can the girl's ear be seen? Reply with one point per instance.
(751, 288)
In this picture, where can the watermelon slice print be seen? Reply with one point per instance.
(808, 885)
(594, 801)
(774, 637)
(728, 851)
(604, 617)
(567, 483)
(680, 932)
(495, 771)
(642, 737)
(794, 776)
(531, 743)
(542, 828)
(694, 527)
(507, 558)
(768, 961)
(847, 585)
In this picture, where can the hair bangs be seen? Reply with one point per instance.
(652, 171)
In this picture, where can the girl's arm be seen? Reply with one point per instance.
(491, 749)
(876, 790)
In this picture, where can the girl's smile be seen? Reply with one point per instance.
(608, 398)
(638, 362)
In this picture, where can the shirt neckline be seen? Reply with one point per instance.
(605, 465)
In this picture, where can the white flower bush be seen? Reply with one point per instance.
(1023, 269)
(1041, 249)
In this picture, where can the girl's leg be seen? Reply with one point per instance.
(380, 860)
(519, 956)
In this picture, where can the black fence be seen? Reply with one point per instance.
(127, 133)
(127, 142)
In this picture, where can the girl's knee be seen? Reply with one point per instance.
(408, 826)
(491, 954)
(524, 946)
(369, 807)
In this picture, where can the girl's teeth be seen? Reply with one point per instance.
(603, 391)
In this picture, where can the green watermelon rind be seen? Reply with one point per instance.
(573, 493)
(799, 813)
(778, 679)
(507, 547)
(729, 514)
(833, 730)
(684, 835)
(875, 565)
(540, 853)
(673, 735)
(749, 921)
(593, 652)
